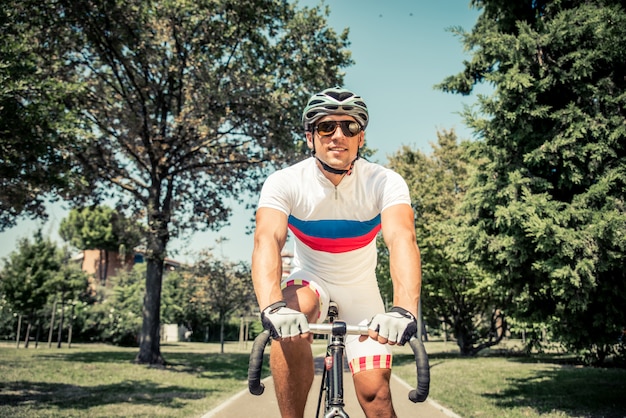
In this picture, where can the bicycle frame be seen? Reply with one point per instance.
(332, 375)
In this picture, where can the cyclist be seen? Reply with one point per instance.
(335, 203)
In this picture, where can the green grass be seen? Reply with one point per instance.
(95, 380)
(101, 381)
(497, 385)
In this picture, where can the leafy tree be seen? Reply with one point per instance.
(7, 319)
(35, 126)
(196, 313)
(454, 289)
(70, 283)
(26, 275)
(547, 202)
(100, 228)
(115, 317)
(220, 288)
(173, 300)
(188, 104)
(120, 320)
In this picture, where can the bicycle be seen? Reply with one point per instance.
(332, 375)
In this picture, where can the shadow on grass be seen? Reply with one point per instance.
(91, 357)
(218, 366)
(567, 387)
(206, 365)
(573, 390)
(67, 396)
(560, 359)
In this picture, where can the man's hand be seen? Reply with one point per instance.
(394, 327)
(283, 322)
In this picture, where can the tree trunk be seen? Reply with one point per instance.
(54, 309)
(222, 320)
(19, 331)
(106, 266)
(149, 345)
(60, 333)
(101, 272)
(27, 337)
(71, 325)
(158, 237)
(37, 334)
(242, 330)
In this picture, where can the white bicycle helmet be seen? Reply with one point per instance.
(333, 101)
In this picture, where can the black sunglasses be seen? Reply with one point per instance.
(348, 127)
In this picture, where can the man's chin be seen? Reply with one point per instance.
(339, 164)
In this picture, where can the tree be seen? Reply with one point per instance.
(101, 228)
(69, 283)
(547, 201)
(188, 104)
(220, 288)
(35, 126)
(116, 317)
(454, 290)
(25, 277)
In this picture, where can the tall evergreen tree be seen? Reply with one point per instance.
(28, 277)
(455, 290)
(547, 202)
(26, 272)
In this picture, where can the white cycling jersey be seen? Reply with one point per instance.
(335, 228)
(335, 232)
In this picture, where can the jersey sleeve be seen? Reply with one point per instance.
(395, 191)
(275, 193)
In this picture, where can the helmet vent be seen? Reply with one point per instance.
(340, 95)
(335, 101)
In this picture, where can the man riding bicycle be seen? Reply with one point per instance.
(335, 203)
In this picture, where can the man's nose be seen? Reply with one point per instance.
(338, 134)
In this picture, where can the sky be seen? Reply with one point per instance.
(401, 49)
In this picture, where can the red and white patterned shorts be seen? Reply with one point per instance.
(357, 305)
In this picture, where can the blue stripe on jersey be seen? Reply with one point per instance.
(335, 229)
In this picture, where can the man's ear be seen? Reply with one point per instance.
(361, 139)
(309, 139)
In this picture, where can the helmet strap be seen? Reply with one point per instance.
(334, 170)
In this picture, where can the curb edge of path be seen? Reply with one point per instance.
(213, 413)
(429, 400)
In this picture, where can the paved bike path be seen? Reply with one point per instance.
(245, 405)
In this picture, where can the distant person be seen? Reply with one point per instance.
(335, 203)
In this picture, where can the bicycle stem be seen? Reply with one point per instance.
(335, 350)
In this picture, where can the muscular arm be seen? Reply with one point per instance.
(269, 238)
(404, 256)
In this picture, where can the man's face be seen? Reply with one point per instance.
(337, 150)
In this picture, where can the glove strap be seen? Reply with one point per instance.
(274, 307)
(411, 329)
(403, 312)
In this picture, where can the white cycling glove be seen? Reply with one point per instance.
(397, 325)
(283, 322)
